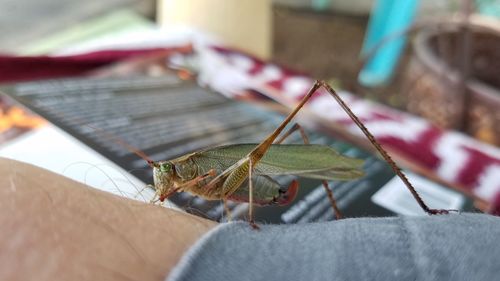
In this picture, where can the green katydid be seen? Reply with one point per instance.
(220, 172)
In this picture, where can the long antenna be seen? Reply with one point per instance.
(105, 134)
(119, 141)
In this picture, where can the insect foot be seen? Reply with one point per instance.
(441, 211)
(254, 225)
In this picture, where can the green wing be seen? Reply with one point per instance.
(310, 161)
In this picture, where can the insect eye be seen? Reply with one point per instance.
(165, 167)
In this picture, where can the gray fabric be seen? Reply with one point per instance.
(445, 247)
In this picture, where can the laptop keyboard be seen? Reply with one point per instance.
(167, 117)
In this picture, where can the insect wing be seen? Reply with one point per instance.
(312, 161)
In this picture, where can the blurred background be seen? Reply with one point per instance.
(424, 75)
(327, 39)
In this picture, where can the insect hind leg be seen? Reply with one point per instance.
(382, 151)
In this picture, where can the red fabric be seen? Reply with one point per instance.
(476, 162)
(425, 143)
(24, 68)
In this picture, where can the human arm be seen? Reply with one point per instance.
(53, 228)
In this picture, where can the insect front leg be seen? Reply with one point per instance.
(324, 183)
(156, 196)
(185, 185)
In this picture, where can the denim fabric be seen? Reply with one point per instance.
(445, 247)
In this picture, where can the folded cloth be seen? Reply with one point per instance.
(444, 247)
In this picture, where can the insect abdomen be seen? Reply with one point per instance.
(266, 192)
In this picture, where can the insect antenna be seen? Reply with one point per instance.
(108, 136)
(124, 144)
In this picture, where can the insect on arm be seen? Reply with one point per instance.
(246, 165)
(219, 172)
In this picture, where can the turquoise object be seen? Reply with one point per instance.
(320, 5)
(388, 17)
(488, 8)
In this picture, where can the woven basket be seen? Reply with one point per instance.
(436, 91)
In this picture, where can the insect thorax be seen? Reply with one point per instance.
(186, 169)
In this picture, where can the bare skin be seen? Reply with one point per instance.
(53, 228)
